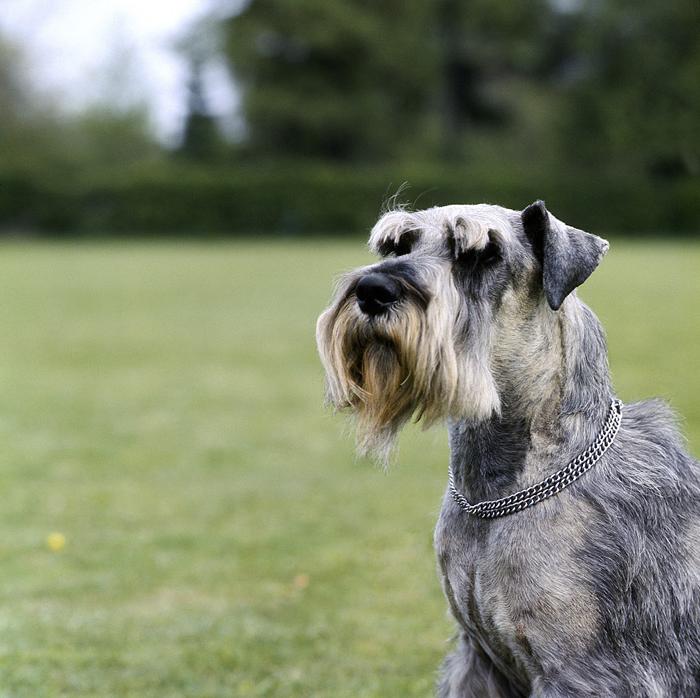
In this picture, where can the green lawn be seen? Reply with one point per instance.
(160, 405)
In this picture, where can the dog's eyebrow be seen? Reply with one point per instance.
(463, 234)
(390, 228)
(403, 245)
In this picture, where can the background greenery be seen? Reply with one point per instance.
(593, 105)
(161, 407)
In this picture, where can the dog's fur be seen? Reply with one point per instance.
(595, 591)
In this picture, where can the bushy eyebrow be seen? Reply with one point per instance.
(403, 245)
(389, 230)
(464, 234)
(456, 232)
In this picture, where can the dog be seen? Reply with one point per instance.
(569, 536)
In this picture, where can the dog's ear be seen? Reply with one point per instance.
(568, 256)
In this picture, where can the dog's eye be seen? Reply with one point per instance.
(472, 260)
(398, 248)
(490, 254)
(403, 246)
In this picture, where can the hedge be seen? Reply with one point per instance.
(289, 199)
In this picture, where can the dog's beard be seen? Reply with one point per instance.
(392, 367)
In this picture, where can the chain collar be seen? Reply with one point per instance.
(494, 508)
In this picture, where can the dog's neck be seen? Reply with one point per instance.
(528, 440)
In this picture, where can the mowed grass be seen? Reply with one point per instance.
(161, 406)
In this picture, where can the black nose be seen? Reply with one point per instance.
(376, 292)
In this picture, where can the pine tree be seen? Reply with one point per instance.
(359, 79)
(201, 140)
(335, 79)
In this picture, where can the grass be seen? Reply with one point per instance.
(160, 405)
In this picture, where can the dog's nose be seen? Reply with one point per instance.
(376, 292)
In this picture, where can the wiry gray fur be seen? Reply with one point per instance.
(595, 591)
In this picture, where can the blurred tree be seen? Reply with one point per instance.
(37, 134)
(201, 139)
(102, 137)
(634, 86)
(27, 119)
(353, 79)
(337, 79)
(482, 45)
(14, 93)
(114, 128)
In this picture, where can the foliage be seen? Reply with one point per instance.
(356, 80)
(47, 144)
(594, 106)
(162, 409)
(636, 99)
(608, 85)
(291, 198)
(333, 79)
(100, 135)
(27, 118)
(201, 140)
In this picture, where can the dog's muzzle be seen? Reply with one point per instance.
(376, 293)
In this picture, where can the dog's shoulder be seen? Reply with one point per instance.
(651, 435)
(654, 416)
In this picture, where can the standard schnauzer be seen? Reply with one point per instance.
(569, 536)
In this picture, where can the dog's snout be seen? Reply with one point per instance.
(376, 292)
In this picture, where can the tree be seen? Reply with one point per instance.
(38, 133)
(635, 98)
(354, 79)
(486, 50)
(28, 132)
(201, 140)
(332, 79)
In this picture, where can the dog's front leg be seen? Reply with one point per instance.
(469, 673)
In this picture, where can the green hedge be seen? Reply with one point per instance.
(316, 199)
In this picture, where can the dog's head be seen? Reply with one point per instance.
(458, 296)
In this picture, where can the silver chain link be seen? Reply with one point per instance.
(493, 508)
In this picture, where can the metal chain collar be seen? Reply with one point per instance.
(491, 509)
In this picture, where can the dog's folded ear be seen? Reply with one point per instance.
(568, 256)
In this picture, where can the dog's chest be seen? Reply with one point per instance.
(514, 589)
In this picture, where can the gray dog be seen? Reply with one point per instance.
(569, 536)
